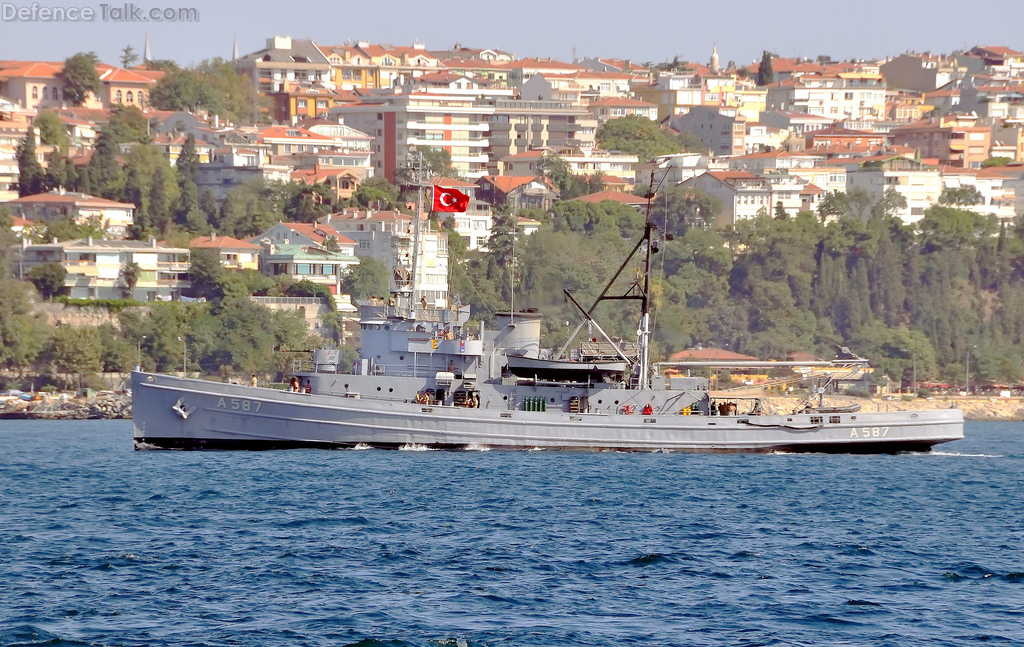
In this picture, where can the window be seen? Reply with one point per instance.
(117, 97)
(300, 104)
(35, 92)
(131, 97)
(56, 96)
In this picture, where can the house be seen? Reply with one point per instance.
(722, 130)
(233, 165)
(627, 199)
(856, 96)
(96, 268)
(743, 195)
(604, 110)
(285, 60)
(234, 254)
(519, 191)
(308, 263)
(668, 170)
(919, 184)
(304, 233)
(113, 217)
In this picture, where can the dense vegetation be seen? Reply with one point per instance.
(898, 294)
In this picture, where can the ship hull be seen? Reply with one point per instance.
(177, 413)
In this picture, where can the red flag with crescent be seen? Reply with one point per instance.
(450, 200)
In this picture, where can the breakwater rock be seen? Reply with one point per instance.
(106, 406)
(974, 408)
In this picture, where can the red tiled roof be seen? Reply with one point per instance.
(615, 196)
(317, 232)
(220, 242)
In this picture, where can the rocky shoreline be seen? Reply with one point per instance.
(117, 406)
(106, 406)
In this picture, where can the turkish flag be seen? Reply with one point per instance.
(450, 200)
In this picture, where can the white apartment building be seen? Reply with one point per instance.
(921, 185)
(843, 96)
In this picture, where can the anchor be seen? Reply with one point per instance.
(181, 410)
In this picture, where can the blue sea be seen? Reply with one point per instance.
(103, 545)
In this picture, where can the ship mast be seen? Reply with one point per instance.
(416, 165)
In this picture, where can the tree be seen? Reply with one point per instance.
(963, 196)
(76, 351)
(206, 273)
(638, 136)
(765, 73)
(891, 203)
(128, 277)
(51, 130)
(128, 56)
(48, 278)
(213, 85)
(80, 77)
(569, 185)
(30, 171)
(780, 211)
(127, 124)
(833, 205)
(106, 175)
(23, 335)
(996, 161)
(376, 192)
(188, 160)
(307, 203)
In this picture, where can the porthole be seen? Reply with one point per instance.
(853, 417)
(616, 402)
(401, 358)
(391, 390)
(346, 386)
(378, 388)
(599, 401)
(504, 397)
(387, 327)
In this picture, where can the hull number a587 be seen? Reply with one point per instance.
(869, 432)
(239, 405)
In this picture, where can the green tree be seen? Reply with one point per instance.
(891, 203)
(187, 163)
(30, 172)
(206, 274)
(558, 170)
(23, 335)
(376, 192)
(368, 279)
(76, 351)
(127, 124)
(307, 203)
(80, 77)
(636, 135)
(963, 196)
(51, 130)
(765, 71)
(128, 278)
(996, 161)
(106, 176)
(212, 85)
(128, 56)
(833, 205)
(48, 278)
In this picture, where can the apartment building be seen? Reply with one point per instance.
(951, 140)
(722, 130)
(95, 268)
(920, 184)
(234, 254)
(285, 61)
(521, 125)
(397, 122)
(843, 96)
(112, 217)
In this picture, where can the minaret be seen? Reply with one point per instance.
(234, 50)
(714, 58)
(146, 54)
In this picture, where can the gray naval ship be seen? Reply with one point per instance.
(427, 380)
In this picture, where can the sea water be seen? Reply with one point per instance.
(103, 545)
